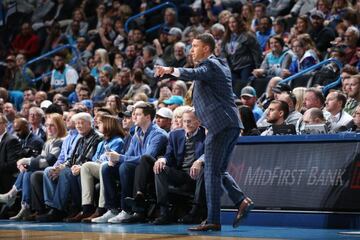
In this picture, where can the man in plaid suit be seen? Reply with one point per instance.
(214, 104)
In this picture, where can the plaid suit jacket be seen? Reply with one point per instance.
(213, 95)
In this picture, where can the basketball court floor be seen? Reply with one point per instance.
(64, 231)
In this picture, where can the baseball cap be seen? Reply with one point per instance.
(318, 14)
(248, 91)
(281, 87)
(178, 100)
(45, 104)
(88, 104)
(175, 31)
(165, 113)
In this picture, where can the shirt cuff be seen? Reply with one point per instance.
(176, 72)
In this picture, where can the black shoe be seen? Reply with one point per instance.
(135, 218)
(53, 215)
(162, 220)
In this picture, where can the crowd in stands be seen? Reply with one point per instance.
(104, 118)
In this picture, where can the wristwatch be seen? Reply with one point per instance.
(171, 70)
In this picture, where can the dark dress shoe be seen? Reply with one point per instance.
(78, 217)
(204, 227)
(244, 208)
(162, 220)
(135, 218)
(53, 215)
(31, 217)
(96, 214)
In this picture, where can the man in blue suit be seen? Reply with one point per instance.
(182, 166)
(214, 103)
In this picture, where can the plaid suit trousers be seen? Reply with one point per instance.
(218, 148)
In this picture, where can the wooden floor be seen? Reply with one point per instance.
(38, 235)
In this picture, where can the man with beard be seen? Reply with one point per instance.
(63, 76)
(276, 115)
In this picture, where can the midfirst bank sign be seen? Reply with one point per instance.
(298, 176)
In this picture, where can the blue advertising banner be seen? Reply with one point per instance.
(298, 175)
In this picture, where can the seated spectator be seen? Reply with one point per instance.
(25, 109)
(163, 118)
(148, 142)
(356, 116)
(248, 120)
(351, 41)
(113, 133)
(128, 127)
(179, 59)
(36, 117)
(353, 94)
(248, 98)
(179, 88)
(63, 180)
(311, 116)
(313, 98)
(290, 99)
(321, 35)
(9, 154)
(182, 165)
(55, 129)
(36, 180)
(26, 42)
(301, 27)
(345, 75)
(101, 60)
(39, 97)
(63, 77)
(265, 99)
(103, 89)
(177, 117)
(121, 83)
(113, 102)
(339, 119)
(264, 32)
(274, 64)
(278, 111)
(31, 144)
(138, 85)
(305, 58)
(173, 102)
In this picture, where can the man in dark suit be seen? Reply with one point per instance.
(214, 103)
(9, 150)
(182, 165)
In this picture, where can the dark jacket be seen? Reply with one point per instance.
(9, 154)
(247, 53)
(31, 146)
(175, 150)
(84, 149)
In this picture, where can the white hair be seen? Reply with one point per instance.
(83, 116)
(38, 111)
(218, 26)
(354, 30)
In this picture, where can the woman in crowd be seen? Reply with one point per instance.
(274, 64)
(101, 59)
(56, 131)
(242, 52)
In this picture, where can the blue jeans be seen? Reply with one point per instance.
(124, 172)
(67, 183)
(22, 183)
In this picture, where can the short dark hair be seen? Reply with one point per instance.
(283, 106)
(207, 39)
(148, 109)
(318, 94)
(341, 98)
